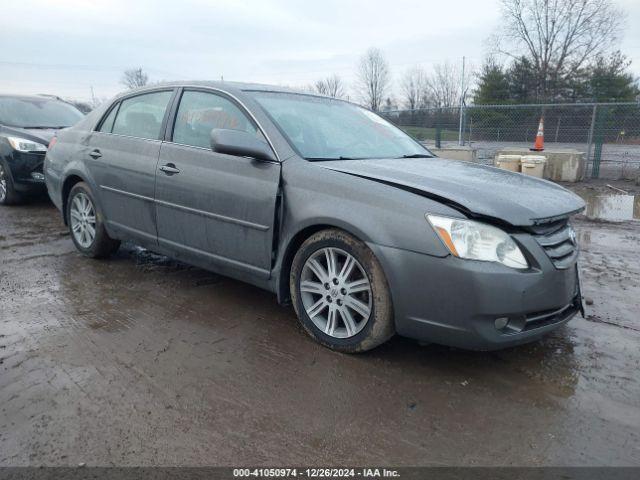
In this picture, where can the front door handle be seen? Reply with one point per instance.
(95, 154)
(169, 169)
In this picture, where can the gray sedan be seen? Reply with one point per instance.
(327, 205)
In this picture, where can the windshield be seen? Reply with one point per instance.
(37, 113)
(328, 129)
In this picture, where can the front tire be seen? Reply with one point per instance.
(340, 293)
(86, 224)
(8, 194)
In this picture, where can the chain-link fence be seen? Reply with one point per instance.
(607, 133)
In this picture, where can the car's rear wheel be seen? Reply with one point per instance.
(340, 293)
(8, 194)
(86, 224)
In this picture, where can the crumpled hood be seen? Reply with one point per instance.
(477, 189)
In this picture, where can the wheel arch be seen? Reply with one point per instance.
(294, 243)
(67, 185)
(6, 165)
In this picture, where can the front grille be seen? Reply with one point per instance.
(558, 241)
(26, 164)
(38, 168)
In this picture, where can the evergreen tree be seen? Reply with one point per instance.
(493, 85)
(606, 79)
(523, 86)
(610, 81)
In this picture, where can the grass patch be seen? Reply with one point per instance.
(424, 133)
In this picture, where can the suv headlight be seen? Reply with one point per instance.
(478, 241)
(24, 145)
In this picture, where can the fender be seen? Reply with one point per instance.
(314, 200)
(291, 239)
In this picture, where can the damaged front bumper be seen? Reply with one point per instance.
(479, 305)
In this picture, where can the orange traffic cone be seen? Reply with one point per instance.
(538, 146)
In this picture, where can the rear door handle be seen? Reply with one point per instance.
(95, 154)
(169, 169)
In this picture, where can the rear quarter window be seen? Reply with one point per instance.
(107, 123)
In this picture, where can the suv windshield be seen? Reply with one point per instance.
(327, 129)
(29, 112)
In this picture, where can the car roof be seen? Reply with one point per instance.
(225, 86)
(222, 85)
(40, 96)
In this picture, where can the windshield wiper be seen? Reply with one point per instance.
(417, 155)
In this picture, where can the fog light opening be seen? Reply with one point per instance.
(501, 323)
(37, 176)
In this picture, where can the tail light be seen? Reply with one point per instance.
(52, 142)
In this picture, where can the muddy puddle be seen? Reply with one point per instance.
(614, 206)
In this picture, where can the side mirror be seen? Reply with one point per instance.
(240, 144)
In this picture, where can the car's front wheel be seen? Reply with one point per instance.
(340, 293)
(86, 224)
(8, 194)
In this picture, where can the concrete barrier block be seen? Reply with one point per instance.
(464, 153)
(562, 165)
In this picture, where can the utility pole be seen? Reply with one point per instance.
(590, 138)
(93, 98)
(460, 142)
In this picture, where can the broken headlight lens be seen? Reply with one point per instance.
(478, 241)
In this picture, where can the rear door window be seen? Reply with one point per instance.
(141, 116)
(201, 112)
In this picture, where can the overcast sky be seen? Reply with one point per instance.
(65, 47)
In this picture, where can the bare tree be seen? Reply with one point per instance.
(558, 36)
(414, 88)
(134, 78)
(373, 78)
(444, 85)
(331, 86)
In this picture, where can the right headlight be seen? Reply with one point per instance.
(478, 241)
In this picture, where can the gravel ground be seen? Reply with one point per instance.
(140, 361)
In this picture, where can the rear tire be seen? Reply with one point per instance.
(340, 292)
(8, 194)
(86, 224)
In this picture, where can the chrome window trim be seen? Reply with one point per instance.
(129, 136)
(120, 99)
(195, 88)
(243, 107)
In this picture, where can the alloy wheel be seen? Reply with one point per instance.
(3, 184)
(336, 292)
(83, 220)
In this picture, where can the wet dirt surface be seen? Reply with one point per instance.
(139, 360)
(609, 200)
